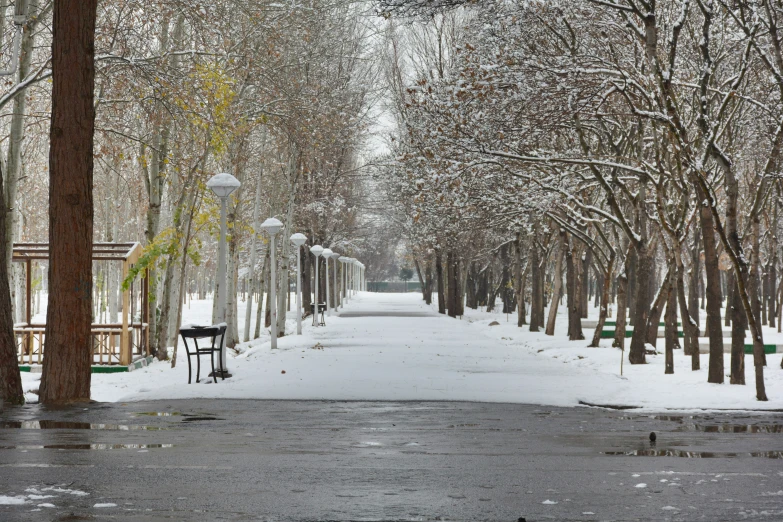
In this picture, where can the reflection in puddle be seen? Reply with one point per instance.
(693, 454)
(690, 423)
(89, 446)
(732, 428)
(66, 425)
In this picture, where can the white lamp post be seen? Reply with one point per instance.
(327, 253)
(316, 250)
(336, 303)
(272, 226)
(298, 240)
(222, 185)
(354, 266)
(343, 282)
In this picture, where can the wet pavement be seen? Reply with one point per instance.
(295, 460)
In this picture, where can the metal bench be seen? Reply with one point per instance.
(321, 310)
(204, 332)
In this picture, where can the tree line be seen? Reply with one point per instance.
(632, 146)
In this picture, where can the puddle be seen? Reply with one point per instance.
(689, 423)
(66, 425)
(158, 413)
(192, 419)
(89, 446)
(693, 454)
(732, 428)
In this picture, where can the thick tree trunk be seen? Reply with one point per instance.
(68, 356)
(714, 329)
(558, 285)
(536, 286)
(738, 327)
(452, 275)
(642, 303)
(572, 283)
(10, 378)
(428, 280)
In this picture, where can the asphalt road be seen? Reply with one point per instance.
(289, 460)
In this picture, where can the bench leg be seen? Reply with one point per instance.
(212, 361)
(198, 363)
(187, 351)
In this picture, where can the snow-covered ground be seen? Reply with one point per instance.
(434, 357)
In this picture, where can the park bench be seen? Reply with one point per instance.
(195, 333)
(321, 310)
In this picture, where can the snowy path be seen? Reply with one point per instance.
(394, 347)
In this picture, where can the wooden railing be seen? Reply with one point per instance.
(106, 342)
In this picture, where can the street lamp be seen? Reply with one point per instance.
(327, 253)
(222, 185)
(298, 240)
(272, 226)
(343, 282)
(336, 303)
(316, 250)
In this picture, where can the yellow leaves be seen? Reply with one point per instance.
(214, 89)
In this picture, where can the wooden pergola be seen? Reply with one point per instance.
(113, 343)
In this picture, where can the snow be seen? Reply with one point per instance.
(105, 505)
(9, 501)
(435, 357)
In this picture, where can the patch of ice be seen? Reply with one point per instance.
(105, 505)
(549, 502)
(642, 485)
(63, 490)
(46, 505)
(670, 508)
(11, 501)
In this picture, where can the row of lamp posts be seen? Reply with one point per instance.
(353, 271)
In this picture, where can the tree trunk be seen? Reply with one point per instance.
(16, 136)
(536, 284)
(714, 331)
(642, 303)
(439, 276)
(695, 279)
(689, 326)
(10, 378)
(772, 270)
(657, 310)
(622, 293)
(572, 282)
(738, 326)
(66, 365)
(584, 276)
(671, 320)
(428, 281)
(452, 277)
(262, 285)
(558, 277)
(606, 283)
